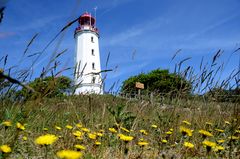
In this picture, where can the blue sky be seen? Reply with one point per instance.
(141, 35)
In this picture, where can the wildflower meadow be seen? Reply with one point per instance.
(84, 127)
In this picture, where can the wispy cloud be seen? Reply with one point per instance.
(130, 33)
(115, 3)
(127, 69)
(133, 32)
(37, 23)
(211, 43)
(211, 27)
(110, 5)
(171, 41)
(4, 35)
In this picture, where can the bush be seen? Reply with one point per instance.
(47, 87)
(159, 81)
(223, 95)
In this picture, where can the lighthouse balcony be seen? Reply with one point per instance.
(86, 28)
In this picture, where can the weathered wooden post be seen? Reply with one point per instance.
(151, 98)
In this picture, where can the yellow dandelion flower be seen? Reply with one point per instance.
(99, 134)
(7, 123)
(164, 141)
(125, 137)
(69, 154)
(141, 139)
(143, 132)
(112, 130)
(219, 130)
(24, 138)
(69, 127)
(233, 138)
(85, 130)
(80, 147)
(20, 126)
(97, 143)
(47, 139)
(209, 145)
(5, 149)
(124, 129)
(205, 133)
(185, 131)
(188, 145)
(154, 126)
(227, 122)
(79, 125)
(218, 148)
(209, 123)
(78, 133)
(168, 132)
(186, 122)
(101, 131)
(221, 141)
(92, 136)
(58, 128)
(173, 145)
(142, 143)
(79, 138)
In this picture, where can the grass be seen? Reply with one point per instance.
(94, 113)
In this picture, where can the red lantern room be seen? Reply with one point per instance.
(86, 19)
(86, 22)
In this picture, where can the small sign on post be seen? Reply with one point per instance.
(139, 86)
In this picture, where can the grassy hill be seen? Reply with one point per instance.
(112, 127)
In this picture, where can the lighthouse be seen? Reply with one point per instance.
(87, 60)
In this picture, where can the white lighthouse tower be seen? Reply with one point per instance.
(88, 68)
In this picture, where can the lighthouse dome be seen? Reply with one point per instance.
(86, 19)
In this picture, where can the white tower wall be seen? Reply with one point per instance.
(87, 76)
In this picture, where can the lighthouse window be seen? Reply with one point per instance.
(93, 66)
(92, 39)
(93, 79)
(93, 52)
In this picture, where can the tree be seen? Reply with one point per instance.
(47, 87)
(158, 81)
